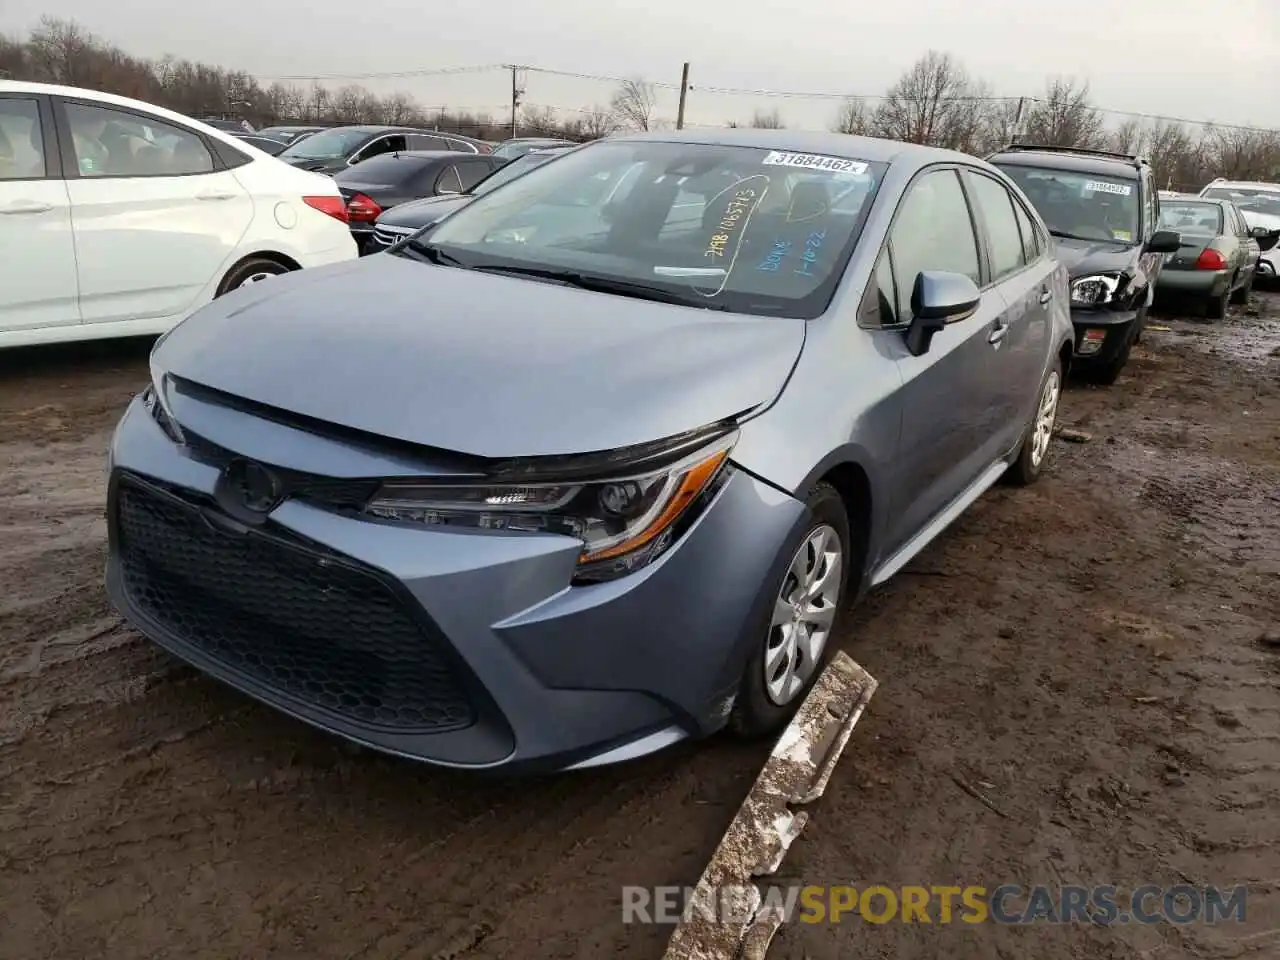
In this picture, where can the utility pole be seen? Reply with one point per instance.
(1017, 120)
(684, 90)
(515, 97)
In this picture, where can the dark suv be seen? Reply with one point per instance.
(1102, 210)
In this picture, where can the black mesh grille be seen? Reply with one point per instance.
(310, 627)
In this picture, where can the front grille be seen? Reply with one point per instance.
(386, 237)
(331, 493)
(309, 626)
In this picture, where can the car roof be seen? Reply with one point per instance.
(870, 149)
(1068, 162)
(1246, 184)
(109, 99)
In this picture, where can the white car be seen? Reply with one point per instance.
(1259, 204)
(118, 218)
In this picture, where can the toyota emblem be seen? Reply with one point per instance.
(254, 487)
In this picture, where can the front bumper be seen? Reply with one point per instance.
(464, 649)
(1112, 330)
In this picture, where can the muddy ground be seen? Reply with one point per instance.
(1096, 655)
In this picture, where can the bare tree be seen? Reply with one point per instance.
(772, 120)
(1001, 124)
(634, 103)
(597, 122)
(934, 102)
(1066, 117)
(853, 117)
(539, 121)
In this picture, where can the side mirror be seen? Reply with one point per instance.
(937, 299)
(1164, 241)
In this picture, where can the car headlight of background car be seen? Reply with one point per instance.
(625, 517)
(1094, 291)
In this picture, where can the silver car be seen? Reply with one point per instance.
(530, 493)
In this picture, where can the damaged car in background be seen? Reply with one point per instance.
(1218, 260)
(1103, 211)
(575, 488)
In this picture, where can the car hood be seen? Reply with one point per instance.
(1266, 220)
(421, 213)
(1084, 257)
(480, 364)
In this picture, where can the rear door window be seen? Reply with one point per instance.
(996, 205)
(21, 140)
(424, 141)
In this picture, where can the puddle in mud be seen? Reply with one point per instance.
(1250, 334)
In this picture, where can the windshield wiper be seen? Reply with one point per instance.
(1073, 236)
(623, 288)
(427, 251)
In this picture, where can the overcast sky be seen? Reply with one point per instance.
(1173, 57)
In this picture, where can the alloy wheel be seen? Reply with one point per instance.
(1046, 414)
(803, 613)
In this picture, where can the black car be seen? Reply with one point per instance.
(518, 146)
(288, 134)
(340, 147)
(265, 144)
(411, 217)
(394, 178)
(1103, 211)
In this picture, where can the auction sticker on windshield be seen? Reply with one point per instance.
(1099, 186)
(812, 161)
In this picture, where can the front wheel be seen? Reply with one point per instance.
(800, 618)
(1035, 446)
(252, 270)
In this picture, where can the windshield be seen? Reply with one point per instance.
(330, 145)
(1084, 206)
(1248, 200)
(1189, 217)
(510, 171)
(726, 227)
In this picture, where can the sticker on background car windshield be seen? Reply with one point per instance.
(812, 161)
(1124, 235)
(1099, 186)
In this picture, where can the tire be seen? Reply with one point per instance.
(1216, 307)
(759, 710)
(252, 270)
(1241, 296)
(1141, 324)
(1034, 453)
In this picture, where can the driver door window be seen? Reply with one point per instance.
(933, 231)
(380, 146)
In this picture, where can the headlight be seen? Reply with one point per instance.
(625, 519)
(1094, 291)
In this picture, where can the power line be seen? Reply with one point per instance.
(761, 92)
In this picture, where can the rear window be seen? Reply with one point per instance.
(737, 228)
(385, 168)
(1202, 219)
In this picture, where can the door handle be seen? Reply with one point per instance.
(998, 331)
(211, 195)
(26, 206)
(1046, 296)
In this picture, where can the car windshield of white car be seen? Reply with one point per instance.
(735, 228)
(1084, 206)
(330, 145)
(1248, 200)
(1190, 217)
